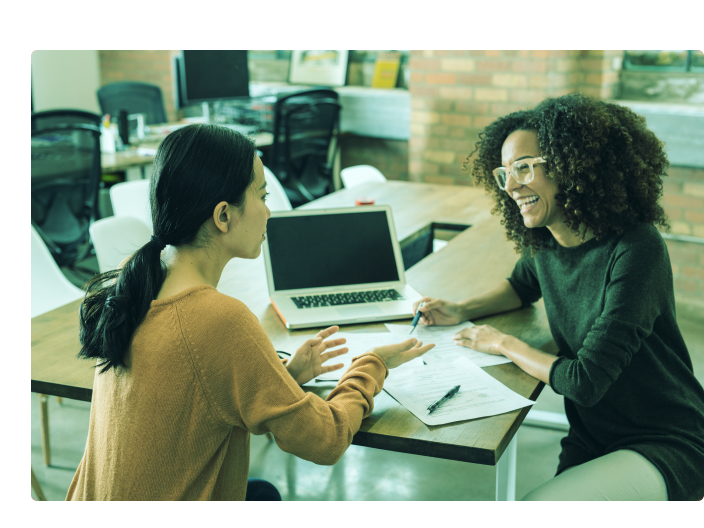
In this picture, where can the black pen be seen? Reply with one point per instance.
(414, 323)
(454, 390)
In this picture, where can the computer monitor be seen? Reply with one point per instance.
(212, 75)
(178, 96)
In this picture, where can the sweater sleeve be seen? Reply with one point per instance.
(524, 280)
(248, 386)
(634, 295)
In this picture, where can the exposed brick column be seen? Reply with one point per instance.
(149, 66)
(599, 70)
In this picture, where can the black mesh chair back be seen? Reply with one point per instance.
(52, 118)
(306, 125)
(136, 98)
(65, 180)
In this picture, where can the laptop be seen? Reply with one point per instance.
(336, 266)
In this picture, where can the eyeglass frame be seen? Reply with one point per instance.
(512, 173)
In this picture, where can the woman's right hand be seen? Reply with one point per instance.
(400, 353)
(438, 312)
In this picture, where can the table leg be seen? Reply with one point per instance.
(44, 417)
(506, 474)
(37, 488)
(336, 165)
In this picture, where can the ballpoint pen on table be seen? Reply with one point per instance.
(416, 318)
(452, 392)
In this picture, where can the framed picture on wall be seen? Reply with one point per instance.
(328, 67)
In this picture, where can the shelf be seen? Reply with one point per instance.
(370, 112)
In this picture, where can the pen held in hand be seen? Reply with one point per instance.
(452, 392)
(416, 318)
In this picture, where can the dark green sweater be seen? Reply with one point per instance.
(623, 366)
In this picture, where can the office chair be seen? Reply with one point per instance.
(65, 181)
(50, 289)
(360, 174)
(117, 237)
(136, 98)
(51, 118)
(306, 126)
(132, 199)
(277, 200)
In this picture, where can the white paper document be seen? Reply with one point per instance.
(445, 347)
(480, 395)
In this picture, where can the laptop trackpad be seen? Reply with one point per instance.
(358, 311)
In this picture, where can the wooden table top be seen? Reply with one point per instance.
(473, 262)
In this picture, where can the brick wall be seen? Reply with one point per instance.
(455, 94)
(688, 276)
(683, 201)
(149, 66)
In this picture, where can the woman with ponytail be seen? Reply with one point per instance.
(185, 373)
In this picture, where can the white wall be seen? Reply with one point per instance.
(65, 79)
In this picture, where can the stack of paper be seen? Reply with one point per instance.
(415, 385)
(445, 347)
(480, 394)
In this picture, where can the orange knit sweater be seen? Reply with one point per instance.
(200, 376)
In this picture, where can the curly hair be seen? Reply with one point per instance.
(607, 165)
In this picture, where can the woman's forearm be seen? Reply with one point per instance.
(503, 298)
(531, 360)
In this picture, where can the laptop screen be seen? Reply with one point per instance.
(323, 250)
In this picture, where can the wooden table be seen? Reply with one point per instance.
(473, 262)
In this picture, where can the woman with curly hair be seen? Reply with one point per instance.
(577, 183)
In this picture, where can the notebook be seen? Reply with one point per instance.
(336, 266)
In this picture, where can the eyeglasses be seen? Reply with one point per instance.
(521, 171)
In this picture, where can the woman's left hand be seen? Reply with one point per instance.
(483, 338)
(307, 362)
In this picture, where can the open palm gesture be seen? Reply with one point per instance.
(307, 362)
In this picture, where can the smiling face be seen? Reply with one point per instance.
(536, 199)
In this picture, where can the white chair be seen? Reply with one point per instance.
(50, 289)
(277, 201)
(117, 237)
(132, 199)
(547, 420)
(359, 174)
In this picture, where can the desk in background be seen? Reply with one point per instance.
(126, 159)
(471, 263)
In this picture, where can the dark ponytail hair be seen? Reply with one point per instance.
(196, 167)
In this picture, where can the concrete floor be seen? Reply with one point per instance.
(361, 474)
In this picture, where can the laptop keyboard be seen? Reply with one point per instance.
(337, 299)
